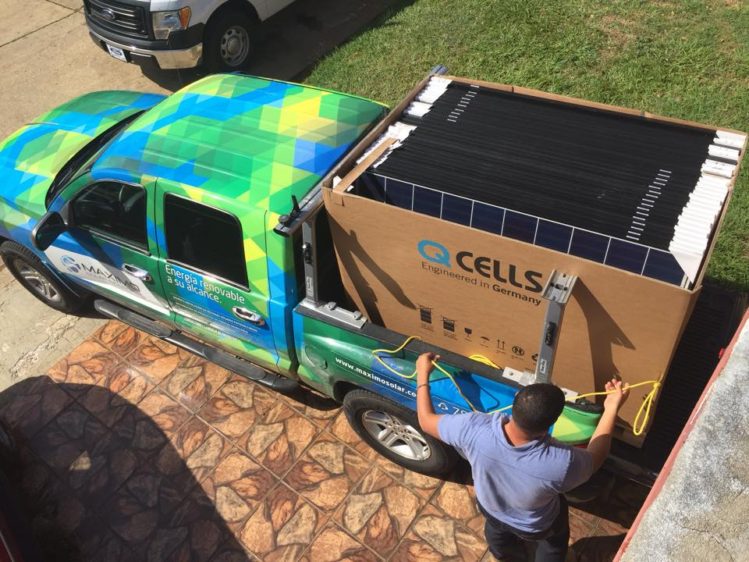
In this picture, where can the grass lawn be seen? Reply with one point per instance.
(682, 58)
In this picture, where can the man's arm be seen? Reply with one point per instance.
(600, 443)
(428, 420)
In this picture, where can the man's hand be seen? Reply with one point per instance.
(425, 366)
(617, 398)
(600, 442)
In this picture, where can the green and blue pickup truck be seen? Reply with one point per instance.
(198, 218)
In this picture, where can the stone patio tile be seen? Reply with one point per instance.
(316, 407)
(84, 454)
(194, 381)
(119, 391)
(235, 407)
(423, 485)
(601, 545)
(156, 358)
(142, 512)
(236, 486)
(282, 526)
(165, 412)
(379, 511)
(342, 430)
(435, 536)
(278, 437)
(334, 544)
(195, 532)
(119, 337)
(327, 472)
(111, 549)
(145, 452)
(192, 454)
(459, 502)
(31, 404)
(88, 364)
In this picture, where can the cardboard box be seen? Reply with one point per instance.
(475, 292)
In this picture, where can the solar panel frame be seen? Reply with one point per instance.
(627, 255)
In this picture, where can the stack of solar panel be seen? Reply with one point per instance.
(630, 192)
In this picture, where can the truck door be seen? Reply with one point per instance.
(108, 247)
(215, 290)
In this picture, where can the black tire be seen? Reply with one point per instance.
(228, 44)
(358, 404)
(21, 263)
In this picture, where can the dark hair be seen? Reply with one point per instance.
(537, 406)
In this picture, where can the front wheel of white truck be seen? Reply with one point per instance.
(394, 432)
(38, 280)
(228, 41)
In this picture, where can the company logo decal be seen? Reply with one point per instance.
(434, 252)
(108, 14)
(486, 272)
(97, 271)
(70, 264)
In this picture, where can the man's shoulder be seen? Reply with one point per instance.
(473, 421)
(569, 462)
(558, 450)
(462, 428)
(551, 459)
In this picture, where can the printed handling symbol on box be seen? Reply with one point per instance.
(425, 314)
(448, 325)
(485, 341)
(501, 345)
(517, 350)
(468, 333)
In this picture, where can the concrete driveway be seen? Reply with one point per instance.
(46, 58)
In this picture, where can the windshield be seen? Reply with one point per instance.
(83, 157)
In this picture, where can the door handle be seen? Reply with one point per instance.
(137, 272)
(248, 315)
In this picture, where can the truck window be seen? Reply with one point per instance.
(205, 239)
(114, 209)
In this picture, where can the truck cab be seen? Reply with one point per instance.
(198, 218)
(174, 34)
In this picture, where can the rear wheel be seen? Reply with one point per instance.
(38, 280)
(394, 432)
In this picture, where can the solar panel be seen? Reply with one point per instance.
(618, 189)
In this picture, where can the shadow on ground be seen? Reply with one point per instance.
(111, 487)
(132, 449)
(290, 43)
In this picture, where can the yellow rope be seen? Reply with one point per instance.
(639, 425)
(398, 349)
(643, 413)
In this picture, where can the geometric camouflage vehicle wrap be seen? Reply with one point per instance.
(329, 354)
(243, 145)
(31, 157)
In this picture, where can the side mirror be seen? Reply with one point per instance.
(49, 227)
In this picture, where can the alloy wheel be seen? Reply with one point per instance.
(396, 435)
(37, 282)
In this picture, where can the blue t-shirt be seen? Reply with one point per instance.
(519, 486)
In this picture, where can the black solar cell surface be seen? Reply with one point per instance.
(579, 166)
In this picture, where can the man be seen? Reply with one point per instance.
(519, 471)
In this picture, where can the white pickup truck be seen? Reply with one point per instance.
(179, 33)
